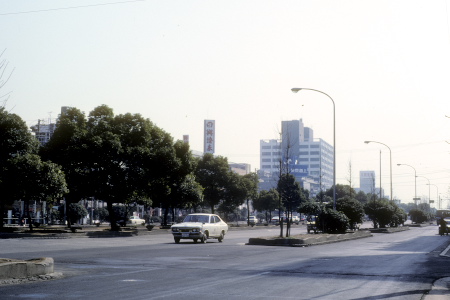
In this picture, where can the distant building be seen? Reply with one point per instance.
(309, 160)
(367, 184)
(241, 169)
(367, 181)
(43, 131)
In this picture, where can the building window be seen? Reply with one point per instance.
(266, 160)
(314, 152)
(266, 147)
(266, 153)
(303, 159)
(315, 159)
(303, 153)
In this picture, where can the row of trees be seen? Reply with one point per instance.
(351, 207)
(127, 159)
(116, 158)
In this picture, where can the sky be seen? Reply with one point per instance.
(385, 64)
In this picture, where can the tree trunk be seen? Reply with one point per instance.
(27, 209)
(2, 211)
(112, 217)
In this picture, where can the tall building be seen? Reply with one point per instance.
(367, 184)
(367, 181)
(310, 160)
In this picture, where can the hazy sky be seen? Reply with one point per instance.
(386, 64)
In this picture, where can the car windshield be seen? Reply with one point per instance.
(197, 218)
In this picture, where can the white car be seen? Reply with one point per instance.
(252, 220)
(135, 220)
(200, 227)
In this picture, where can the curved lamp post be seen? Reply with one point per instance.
(295, 90)
(429, 188)
(390, 162)
(437, 194)
(415, 179)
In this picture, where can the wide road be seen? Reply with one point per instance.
(386, 266)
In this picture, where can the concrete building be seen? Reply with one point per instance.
(43, 131)
(367, 181)
(310, 160)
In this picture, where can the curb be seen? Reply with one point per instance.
(12, 268)
(309, 240)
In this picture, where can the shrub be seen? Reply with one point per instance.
(332, 221)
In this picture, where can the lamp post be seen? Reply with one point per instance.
(437, 194)
(415, 180)
(390, 162)
(429, 188)
(295, 90)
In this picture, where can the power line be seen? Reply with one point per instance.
(71, 7)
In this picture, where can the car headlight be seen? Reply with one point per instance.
(195, 229)
(174, 229)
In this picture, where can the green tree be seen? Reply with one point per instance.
(250, 182)
(291, 195)
(341, 191)
(383, 213)
(266, 201)
(419, 215)
(352, 208)
(15, 140)
(234, 195)
(118, 159)
(332, 221)
(213, 175)
(311, 208)
(182, 191)
(361, 197)
(75, 212)
(34, 179)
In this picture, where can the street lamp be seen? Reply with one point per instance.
(437, 195)
(390, 161)
(415, 180)
(295, 90)
(429, 188)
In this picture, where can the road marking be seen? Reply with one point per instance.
(444, 253)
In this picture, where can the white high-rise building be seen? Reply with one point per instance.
(310, 160)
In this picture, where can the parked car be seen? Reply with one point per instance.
(295, 219)
(252, 220)
(200, 227)
(135, 220)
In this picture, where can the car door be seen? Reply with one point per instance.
(213, 225)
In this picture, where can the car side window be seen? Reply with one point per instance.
(212, 219)
(216, 219)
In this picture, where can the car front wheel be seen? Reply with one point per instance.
(220, 238)
(204, 238)
(177, 240)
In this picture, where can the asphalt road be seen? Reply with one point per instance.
(401, 265)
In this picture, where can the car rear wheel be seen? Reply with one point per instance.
(177, 240)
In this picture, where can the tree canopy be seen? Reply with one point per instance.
(118, 159)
